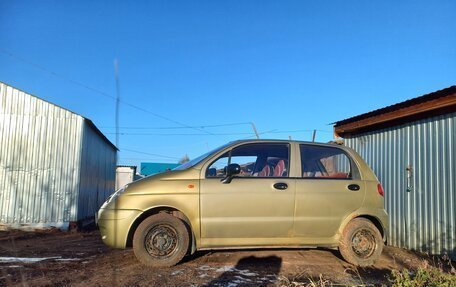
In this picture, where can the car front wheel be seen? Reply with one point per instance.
(361, 243)
(161, 240)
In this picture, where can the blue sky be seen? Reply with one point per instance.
(288, 66)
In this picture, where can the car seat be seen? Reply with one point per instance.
(266, 171)
(279, 169)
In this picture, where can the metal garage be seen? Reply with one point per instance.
(56, 167)
(411, 146)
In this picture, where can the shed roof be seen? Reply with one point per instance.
(94, 127)
(88, 121)
(432, 104)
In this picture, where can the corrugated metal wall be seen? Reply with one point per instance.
(55, 167)
(98, 172)
(39, 160)
(421, 202)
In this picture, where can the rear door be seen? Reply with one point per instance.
(327, 191)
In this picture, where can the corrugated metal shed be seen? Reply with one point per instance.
(434, 96)
(416, 163)
(55, 165)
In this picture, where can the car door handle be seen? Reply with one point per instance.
(353, 187)
(280, 185)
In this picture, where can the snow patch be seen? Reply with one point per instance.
(226, 269)
(205, 268)
(240, 276)
(247, 273)
(26, 259)
(177, 272)
(67, 259)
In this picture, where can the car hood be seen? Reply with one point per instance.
(154, 183)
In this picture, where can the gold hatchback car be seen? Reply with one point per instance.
(251, 194)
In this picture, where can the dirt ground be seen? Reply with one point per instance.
(81, 259)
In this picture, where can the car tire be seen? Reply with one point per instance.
(161, 240)
(361, 243)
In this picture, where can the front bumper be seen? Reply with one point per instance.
(115, 224)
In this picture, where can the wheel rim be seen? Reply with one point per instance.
(363, 243)
(161, 241)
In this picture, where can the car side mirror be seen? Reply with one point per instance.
(212, 172)
(231, 170)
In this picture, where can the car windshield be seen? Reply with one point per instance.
(197, 160)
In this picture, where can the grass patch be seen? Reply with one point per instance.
(425, 276)
(442, 275)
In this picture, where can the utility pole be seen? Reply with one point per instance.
(116, 73)
(255, 130)
(313, 135)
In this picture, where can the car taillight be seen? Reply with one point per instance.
(380, 190)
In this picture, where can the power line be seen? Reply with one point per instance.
(172, 128)
(164, 118)
(96, 90)
(182, 125)
(142, 158)
(260, 133)
(187, 134)
(275, 131)
(153, 154)
(56, 74)
(291, 131)
(297, 131)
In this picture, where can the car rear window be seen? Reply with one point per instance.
(323, 162)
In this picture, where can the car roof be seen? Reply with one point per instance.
(283, 141)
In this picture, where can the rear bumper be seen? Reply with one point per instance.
(383, 218)
(114, 225)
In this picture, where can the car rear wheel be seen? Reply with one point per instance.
(361, 243)
(161, 240)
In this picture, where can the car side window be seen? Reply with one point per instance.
(217, 168)
(326, 163)
(255, 160)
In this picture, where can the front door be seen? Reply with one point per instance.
(257, 206)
